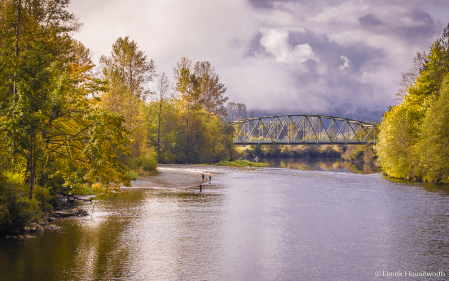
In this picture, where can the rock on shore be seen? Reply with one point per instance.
(43, 224)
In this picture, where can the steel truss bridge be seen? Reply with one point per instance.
(303, 129)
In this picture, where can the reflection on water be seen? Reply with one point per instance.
(270, 224)
(322, 164)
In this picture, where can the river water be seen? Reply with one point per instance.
(311, 220)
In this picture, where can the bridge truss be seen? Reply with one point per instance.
(303, 129)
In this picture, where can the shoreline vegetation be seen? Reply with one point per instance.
(240, 163)
(414, 133)
(352, 153)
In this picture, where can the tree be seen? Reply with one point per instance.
(49, 121)
(188, 86)
(394, 146)
(241, 111)
(132, 65)
(183, 63)
(409, 77)
(81, 54)
(162, 93)
(236, 111)
(212, 91)
(186, 132)
(434, 141)
(36, 36)
(128, 72)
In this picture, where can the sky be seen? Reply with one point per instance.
(328, 57)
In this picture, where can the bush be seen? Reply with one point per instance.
(16, 210)
(43, 197)
(22, 211)
(360, 153)
(147, 161)
(132, 175)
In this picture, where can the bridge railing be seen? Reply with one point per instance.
(303, 129)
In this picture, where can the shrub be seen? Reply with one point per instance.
(43, 197)
(147, 161)
(132, 175)
(16, 210)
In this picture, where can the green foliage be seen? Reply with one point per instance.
(148, 160)
(190, 127)
(127, 71)
(145, 164)
(434, 142)
(132, 175)
(22, 210)
(360, 153)
(16, 210)
(396, 143)
(54, 136)
(287, 151)
(43, 197)
(14, 178)
(413, 136)
(353, 153)
(51, 123)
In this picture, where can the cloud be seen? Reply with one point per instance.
(346, 62)
(370, 20)
(276, 43)
(278, 55)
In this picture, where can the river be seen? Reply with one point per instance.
(309, 220)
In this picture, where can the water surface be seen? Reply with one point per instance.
(266, 224)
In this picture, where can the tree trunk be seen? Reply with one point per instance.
(16, 53)
(16, 48)
(188, 132)
(32, 162)
(159, 128)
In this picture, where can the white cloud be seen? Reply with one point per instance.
(275, 42)
(346, 62)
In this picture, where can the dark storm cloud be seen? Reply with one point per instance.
(425, 26)
(270, 4)
(264, 4)
(370, 20)
(254, 45)
(342, 90)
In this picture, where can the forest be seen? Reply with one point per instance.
(69, 126)
(414, 134)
